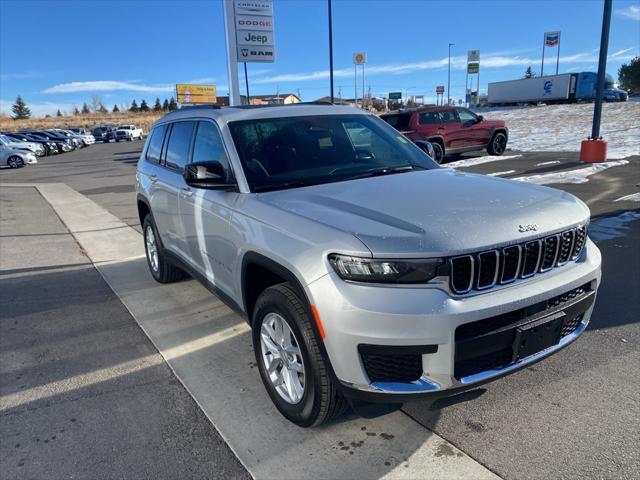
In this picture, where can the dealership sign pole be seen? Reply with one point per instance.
(232, 60)
(359, 58)
(473, 68)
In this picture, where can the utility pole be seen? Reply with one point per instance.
(246, 82)
(330, 49)
(449, 75)
(602, 66)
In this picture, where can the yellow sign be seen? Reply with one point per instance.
(187, 93)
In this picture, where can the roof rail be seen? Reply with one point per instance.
(266, 105)
(195, 107)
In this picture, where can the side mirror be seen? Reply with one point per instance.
(209, 174)
(480, 118)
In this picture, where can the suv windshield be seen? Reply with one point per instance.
(298, 151)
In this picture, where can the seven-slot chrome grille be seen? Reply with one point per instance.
(499, 266)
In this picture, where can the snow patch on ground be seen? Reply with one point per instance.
(497, 174)
(552, 162)
(478, 161)
(561, 128)
(571, 176)
(634, 197)
(606, 228)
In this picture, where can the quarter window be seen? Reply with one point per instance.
(179, 145)
(155, 144)
(208, 145)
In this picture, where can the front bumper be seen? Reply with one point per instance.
(356, 316)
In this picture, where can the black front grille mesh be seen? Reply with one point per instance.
(484, 269)
(392, 368)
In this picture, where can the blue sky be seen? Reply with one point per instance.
(58, 54)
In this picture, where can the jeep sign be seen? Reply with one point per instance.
(254, 30)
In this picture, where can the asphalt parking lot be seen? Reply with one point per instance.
(575, 415)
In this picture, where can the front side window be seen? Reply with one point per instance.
(208, 146)
(155, 144)
(466, 116)
(296, 151)
(179, 145)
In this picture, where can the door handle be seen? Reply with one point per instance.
(153, 178)
(186, 191)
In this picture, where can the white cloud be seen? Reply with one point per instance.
(108, 86)
(457, 63)
(632, 12)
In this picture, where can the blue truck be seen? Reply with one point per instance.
(563, 88)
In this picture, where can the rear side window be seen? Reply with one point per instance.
(155, 144)
(399, 122)
(179, 145)
(429, 118)
(209, 146)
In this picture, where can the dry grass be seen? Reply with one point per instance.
(141, 120)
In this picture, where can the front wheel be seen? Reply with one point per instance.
(498, 144)
(15, 162)
(438, 152)
(289, 359)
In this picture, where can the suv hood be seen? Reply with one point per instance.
(433, 212)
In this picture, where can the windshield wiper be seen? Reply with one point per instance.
(282, 186)
(378, 172)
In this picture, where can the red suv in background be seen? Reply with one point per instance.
(450, 130)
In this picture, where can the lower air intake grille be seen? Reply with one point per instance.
(392, 368)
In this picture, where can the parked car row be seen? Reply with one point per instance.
(22, 148)
(106, 133)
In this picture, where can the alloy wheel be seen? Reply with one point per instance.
(282, 358)
(152, 248)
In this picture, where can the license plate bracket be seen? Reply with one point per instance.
(537, 335)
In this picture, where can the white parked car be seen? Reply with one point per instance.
(14, 158)
(86, 138)
(128, 132)
(33, 147)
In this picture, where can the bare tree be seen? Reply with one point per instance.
(96, 103)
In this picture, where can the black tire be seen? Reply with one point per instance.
(321, 400)
(438, 151)
(164, 272)
(117, 141)
(498, 144)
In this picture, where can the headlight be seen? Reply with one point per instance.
(370, 270)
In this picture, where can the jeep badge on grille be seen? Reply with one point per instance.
(530, 227)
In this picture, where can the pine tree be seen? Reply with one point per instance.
(165, 105)
(20, 109)
(157, 106)
(172, 104)
(629, 75)
(115, 109)
(85, 109)
(58, 113)
(76, 112)
(529, 73)
(134, 107)
(143, 106)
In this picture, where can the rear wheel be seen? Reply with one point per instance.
(289, 359)
(498, 144)
(438, 151)
(161, 270)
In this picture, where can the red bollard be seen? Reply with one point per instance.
(593, 151)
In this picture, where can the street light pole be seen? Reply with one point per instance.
(449, 76)
(602, 66)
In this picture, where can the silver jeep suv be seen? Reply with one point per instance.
(367, 272)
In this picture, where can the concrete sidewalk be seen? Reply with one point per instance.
(83, 392)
